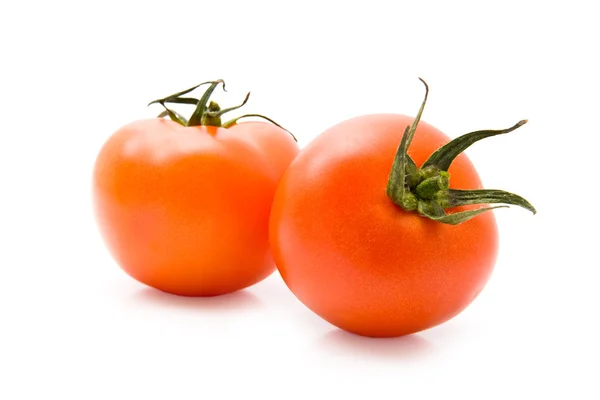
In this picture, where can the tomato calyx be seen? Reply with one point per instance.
(426, 190)
(207, 112)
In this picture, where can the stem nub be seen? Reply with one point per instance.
(426, 189)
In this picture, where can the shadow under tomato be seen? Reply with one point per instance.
(240, 300)
(408, 347)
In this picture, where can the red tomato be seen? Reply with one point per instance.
(358, 260)
(185, 209)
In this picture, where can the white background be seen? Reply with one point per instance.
(74, 326)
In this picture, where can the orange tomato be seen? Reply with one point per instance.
(358, 260)
(185, 209)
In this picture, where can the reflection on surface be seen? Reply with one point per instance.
(412, 346)
(240, 300)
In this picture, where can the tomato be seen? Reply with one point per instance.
(185, 209)
(357, 259)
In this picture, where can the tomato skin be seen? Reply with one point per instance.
(185, 209)
(355, 258)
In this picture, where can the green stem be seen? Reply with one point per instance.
(429, 187)
(212, 117)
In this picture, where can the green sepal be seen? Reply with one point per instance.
(173, 97)
(233, 121)
(396, 188)
(454, 197)
(443, 157)
(182, 100)
(201, 108)
(226, 110)
(426, 189)
(404, 173)
(460, 217)
(206, 112)
(175, 116)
